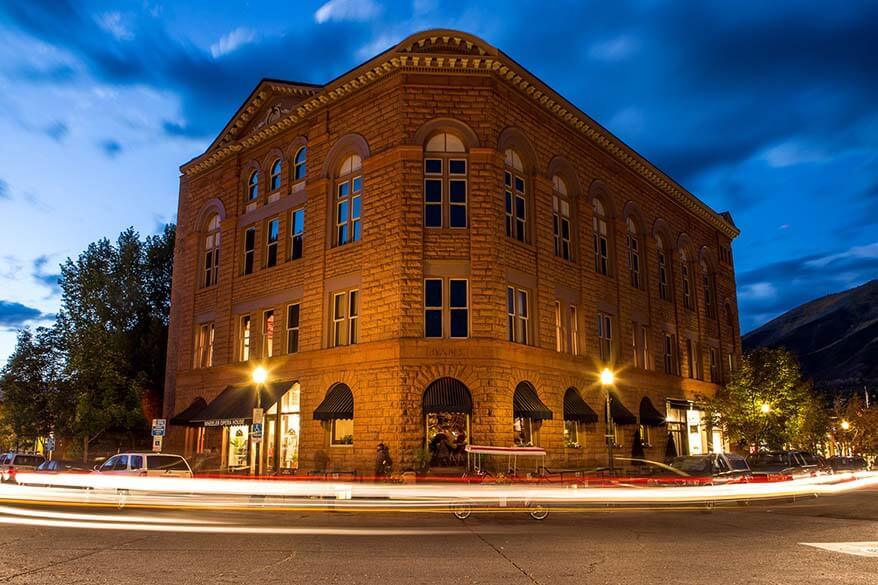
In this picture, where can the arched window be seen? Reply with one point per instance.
(348, 193)
(601, 243)
(445, 182)
(515, 197)
(561, 217)
(299, 164)
(253, 186)
(633, 245)
(274, 179)
(707, 284)
(663, 269)
(211, 251)
(687, 283)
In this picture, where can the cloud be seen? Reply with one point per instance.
(230, 42)
(614, 49)
(13, 314)
(342, 10)
(4, 190)
(50, 280)
(869, 251)
(111, 147)
(792, 153)
(111, 22)
(57, 131)
(758, 290)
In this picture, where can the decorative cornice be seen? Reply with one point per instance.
(475, 59)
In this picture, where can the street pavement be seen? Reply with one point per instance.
(740, 544)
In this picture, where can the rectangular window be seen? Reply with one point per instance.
(517, 313)
(687, 287)
(664, 294)
(516, 207)
(458, 294)
(345, 315)
(297, 233)
(670, 355)
(433, 171)
(204, 346)
(271, 242)
(293, 328)
(714, 365)
(348, 210)
(573, 328)
(571, 433)
(561, 227)
(640, 344)
(445, 192)
(342, 432)
(709, 308)
(605, 337)
(433, 307)
(559, 328)
(644, 347)
(690, 358)
(268, 334)
(244, 339)
(645, 438)
(633, 260)
(524, 432)
(249, 249)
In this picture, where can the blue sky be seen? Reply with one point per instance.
(768, 110)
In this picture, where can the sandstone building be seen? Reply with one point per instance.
(437, 249)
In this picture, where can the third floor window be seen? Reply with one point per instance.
(345, 318)
(515, 196)
(445, 182)
(297, 233)
(560, 218)
(249, 249)
(601, 241)
(348, 201)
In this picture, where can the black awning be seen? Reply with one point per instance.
(649, 415)
(576, 409)
(191, 413)
(235, 404)
(447, 395)
(338, 404)
(526, 404)
(620, 414)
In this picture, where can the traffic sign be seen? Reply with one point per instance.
(256, 431)
(159, 426)
(157, 444)
(50, 444)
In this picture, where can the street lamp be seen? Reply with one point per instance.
(607, 379)
(845, 425)
(259, 375)
(765, 408)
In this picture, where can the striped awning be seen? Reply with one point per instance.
(526, 404)
(620, 414)
(338, 404)
(649, 414)
(447, 395)
(576, 409)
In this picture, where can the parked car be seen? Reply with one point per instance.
(12, 462)
(63, 466)
(146, 465)
(713, 468)
(840, 464)
(784, 464)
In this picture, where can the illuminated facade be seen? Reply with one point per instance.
(432, 250)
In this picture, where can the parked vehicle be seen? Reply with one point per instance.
(146, 465)
(713, 468)
(784, 464)
(840, 464)
(62, 466)
(12, 463)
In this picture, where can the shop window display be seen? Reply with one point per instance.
(447, 437)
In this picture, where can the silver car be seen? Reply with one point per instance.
(146, 465)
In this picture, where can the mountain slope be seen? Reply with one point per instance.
(835, 338)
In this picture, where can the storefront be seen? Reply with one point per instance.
(690, 431)
(577, 414)
(447, 407)
(528, 413)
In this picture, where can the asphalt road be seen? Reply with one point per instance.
(752, 545)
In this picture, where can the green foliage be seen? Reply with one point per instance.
(772, 377)
(861, 436)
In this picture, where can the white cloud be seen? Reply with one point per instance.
(614, 49)
(867, 251)
(112, 23)
(232, 41)
(758, 290)
(790, 154)
(339, 10)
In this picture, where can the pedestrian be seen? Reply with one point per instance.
(383, 462)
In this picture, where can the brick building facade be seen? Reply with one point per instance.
(433, 228)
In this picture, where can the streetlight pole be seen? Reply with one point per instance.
(259, 376)
(607, 379)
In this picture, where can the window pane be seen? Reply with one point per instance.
(358, 184)
(299, 221)
(273, 229)
(458, 216)
(522, 303)
(343, 212)
(433, 323)
(357, 232)
(433, 215)
(457, 191)
(519, 207)
(433, 166)
(507, 179)
(459, 325)
(510, 300)
(338, 311)
(433, 190)
(519, 184)
(355, 207)
(458, 293)
(354, 306)
(344, 189)
(457, 167)
(433, 293)
(293, 316)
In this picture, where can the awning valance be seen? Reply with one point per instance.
(620, 414)
(649, 414)
(188, 415)
(338, 404)
(235, 404)
(526, 404)
(576, 409)
(447, 395)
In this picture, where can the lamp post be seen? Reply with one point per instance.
(607, 379)
(259, 376)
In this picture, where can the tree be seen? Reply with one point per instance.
(861, 434)
(767, 404)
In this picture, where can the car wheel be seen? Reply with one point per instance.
(538, 511)
(461, 511)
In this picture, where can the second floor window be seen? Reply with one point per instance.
(348, 204)
(244, 336)
(517, 312)
(445, 182)
(633, 254)
(299, 164)
(274, 179)
(515, 197)
(670, 355)
(297, 233)
(707, 284)
(601, 242)
(345, 314)
(560, 218)
(640, 342)
(271, 242)
(212, 252)
(253, 186)
(573, 329)
(268, 334)
(692, 358)
(249, 249)
(293, 328)
(446, 318)
(663, 279)
(204, 345)
(605, 337)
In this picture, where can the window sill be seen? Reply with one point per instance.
(341, 446)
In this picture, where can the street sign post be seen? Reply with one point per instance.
(157, 443)
(159, 426)
(256, 432)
